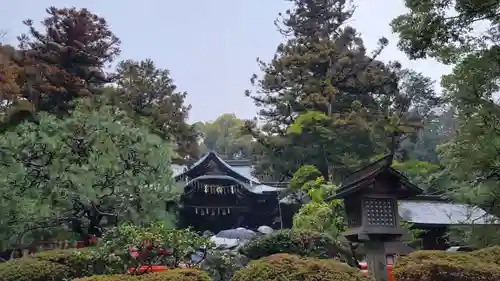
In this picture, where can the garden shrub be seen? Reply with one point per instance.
(82, 262)
(297, 242)
(30, 269)
(294, 268)
(439, 265)
(221, 265)
(168, 275)
(490, 254)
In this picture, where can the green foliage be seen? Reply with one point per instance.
(224, 136)
(294, 268)
(421, 173)
(85, 171)
(304, 176)
(324, 101)
(149, 95)
(169, 275)
(33, 270)
(297, 242)
(321, 217)
(477, 236)
(221, 265)
(439, 265)
(317, 215)
(428, 29)
(469, 41)
(156, 244)
(81, 262)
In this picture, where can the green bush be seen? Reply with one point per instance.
(82, 262)
(490, 254)
(294, 268)
(297, 242)
(221, 265)
(168, 275)
(439, 265)
(30, 269)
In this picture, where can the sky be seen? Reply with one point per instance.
(211, 47)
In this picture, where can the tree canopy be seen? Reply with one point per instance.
(224, 136)
(325, 100)
(93, 168)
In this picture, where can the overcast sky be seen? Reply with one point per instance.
(210, 47)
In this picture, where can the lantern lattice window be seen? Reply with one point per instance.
(380, 212)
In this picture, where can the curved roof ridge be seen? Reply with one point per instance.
(254, 180)
(256, 188)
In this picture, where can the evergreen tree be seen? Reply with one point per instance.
(323, 99)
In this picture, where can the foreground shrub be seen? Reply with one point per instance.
(297, 242)
(294, 268)
(82, 262)
(168, 275)
(157, 243)
(439, 265)
(30, 269)
(221, 265)
(490, 254)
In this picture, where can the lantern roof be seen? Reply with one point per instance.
(361, 179)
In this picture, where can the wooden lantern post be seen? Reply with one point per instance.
(371, 203)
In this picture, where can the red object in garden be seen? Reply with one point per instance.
(149, 268)
(364, 269)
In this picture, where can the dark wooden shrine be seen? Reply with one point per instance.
(371, 197)
(220, 196)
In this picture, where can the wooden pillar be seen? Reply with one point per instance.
(376, 260)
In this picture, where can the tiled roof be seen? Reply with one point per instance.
(443, 213)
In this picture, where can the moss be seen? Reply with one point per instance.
(438, 265)
(285, 267)
(490, 254)
(168, 275)
(30, 269)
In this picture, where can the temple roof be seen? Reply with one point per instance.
(238, 170)
(239, 167)
(430, 210)
(443, 213)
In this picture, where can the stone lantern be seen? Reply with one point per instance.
(371, 203)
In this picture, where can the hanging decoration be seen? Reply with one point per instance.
(212, 211)
(216, 189)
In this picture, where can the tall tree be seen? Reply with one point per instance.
(224, 136)
(323, 99)
(9, 72)
(447, 30)
(65, 59)
(85, 171)
(464, 34)
(149, 93)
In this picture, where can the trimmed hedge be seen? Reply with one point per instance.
(297, 242)
(82, 262)
(56, 265)
(30, 269)
(168, 275)
(294, 268)
(439, 265)
(490, 254)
